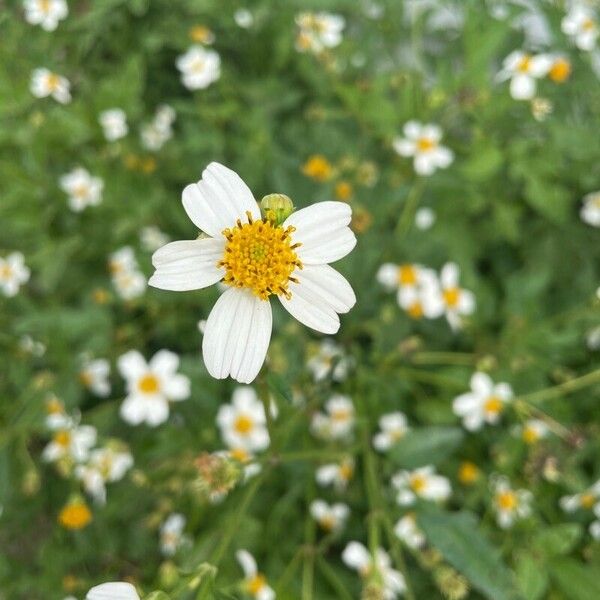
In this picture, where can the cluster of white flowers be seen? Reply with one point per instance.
(45, 13)
(114, 123)
(422, 142)
(82, 189)
(159, 131)
(199, 67)
(127, 278)
(590, 211)
(337, 422)
(151, 386)
(330, 360)
(423, 483)
(318, 31)
(421, 293)
(46, 83)
(13, 273)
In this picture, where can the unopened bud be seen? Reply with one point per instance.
(276, 208)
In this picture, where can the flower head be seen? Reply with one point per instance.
(586, 500)
(256, 259)
(393, 427)
(45, 83)
(330, 517)
(13, 273)
(318, 31)
(94, 376)
(171, 534)
(338, 420)
(336, 474)
(75, 515)
(510, 505)
(71, 442)
(457, 301)
(408, 531)
(199, 67)
(329, 360)
(114, 124)
(45, 13)
(83, 189)
(581, 25)
(255, 583)
(423, 483)
(523, 69)
(590, 211)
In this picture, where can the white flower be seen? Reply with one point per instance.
(152, 238)
(590, 211)
(72, 443)
(336, 474)
(594, 529)
(171, 534)
(243, 18)
(155, 134)
(30, 346)
(421, 483)
(357, 557)
(393, 277)
(533, 430)
(586, 500)
(330, 359)
(423, 143)
(393, 427)
(94, 375)
(83, 189)
(425, 218)
(318, 31)
(243, 423)
(581, 25)
(523, 69)
(256, 259)
(44, 83)
(56, 417)
(338, 420)
(255, 583)
(484, 403)
(113, 591)
(457, 301)
(199, 67)
(510, 504)
(592, 338)
(407, 530)
(114, 124)
(122, 260)
(13, 273)
(105, 465)
(130, 284)
(45, 13)
(331, 517)
(151, 386)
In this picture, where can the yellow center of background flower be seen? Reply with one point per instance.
(560, 70)
(493, 405)
(62, 438)
(53, 82)
(259, 256)
(507, 500)
(346, 471)
(451, 296)
(148, 384)
(587, 500)
(530, 435)
(407, 275)
(5, 272)
(243, 424)
(75, 516)
(256, 584)
(418, 483)
(425, 144)
(524, 64)
(415, 310)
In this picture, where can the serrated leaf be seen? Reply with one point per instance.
(427, 446)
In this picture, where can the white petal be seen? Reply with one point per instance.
(237, 335)
(413, 129)
(247, 563)
(466, 302)
(425, 163)
(449, 275)
(177, 387)
(218, 200)
(133, 410)
(356, 556)
(323, 231)
(465, 404)
(157, 411)
(188, 264)
(132, 365)
(113, 591)
(482, 384)
(164, 363)
(404, 147)
(522, 87)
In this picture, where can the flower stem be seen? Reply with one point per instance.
(407, 215)
(562, 388)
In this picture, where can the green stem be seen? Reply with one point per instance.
(407, 216)
(334, 581)
(445, 358)
(562, 388)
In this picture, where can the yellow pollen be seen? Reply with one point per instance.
(318, 167)
(327, 522)
(255, 584)
(425, 144)
(75, 515)
(493, 405)
(468, 473)
(407, 275)
(53, 82)
(340, 415)
(343, 190)
(243, 424)
(588, 25)
(86, 378)
(530, 435)
(5, 271)
(346, 471)
(587, 500)
(240, 455)
(415, 310)
(62, 438)
(507, 500)
(260, 256)
(451, 296)
(524, 64)
(560, 70)
(148, 384)
(418, 483)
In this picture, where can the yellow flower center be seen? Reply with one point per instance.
(44, 6)
(560, 70)
(148, 384)
(62, 438)
(530, 435)
(493, 405)
(587, 500)
(588, 25)
(451, 296)
(524, 64)
(53, 82)
(346, 471)
(86, 378)
(243, 424)
(75, 515)
(425, 144)
(468, 473)
(240, 455)
(418, 483)
(415, 310)
(81, 191)
(341, 415)
(201, 34)
(407, 275)
(507, 500)
(54, 406)
(5, 272)
(327, 522)
(343, 190)
(260, 256)
(197, 66)
(318, 167)
(255, 584)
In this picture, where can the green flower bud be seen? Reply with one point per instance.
(276, 208)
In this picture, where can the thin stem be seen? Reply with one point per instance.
(407, 216)
(334, 581)
(444, 358)
(562, 388)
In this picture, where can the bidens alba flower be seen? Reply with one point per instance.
(510, 505)
(83, 189)
(423, 143)
(407, 530)
(590, 211)
(581, 25)
(151, 386)
(45, 13)
(457, 301)
(94, 376)
(393, 428)
(114, 124)
(421, 483)
(71, 443)
(13, 273)
(330, 517)
(337, 422)
(171, 534)
(336, 474)
(116, 590)
(256, 258)
(44, 83)
(199, 67)
(318, 31)
(255, 583)
(523, 69)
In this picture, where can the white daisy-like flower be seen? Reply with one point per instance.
(510, 505)
(115, 590)
(318, 31)
(422, 141)
(409, 532)
(484, 403)
(458, 302)
(105, 465)
(594, 528)
(94, 375)
(590, 211)
(393, 428)
(257, 258)
(151, 386)
(523, 69)
(337, 475)
(13, 273)
(171, 534)
(243, 423)
(122, 260)
(155, 134)
(72, 443)
(45, 13)
(330, 517)
(582, 26)
(425, 218)
(532, 431)
(56, 416)
(114, 124)
(255, 583)
(423, 483)
(45, 83)
(82, 188)
(130, 284)
(393, 277)
(379, 567)
(243, 18)
(152, 238)
(586, 500)
(329, 360)
(338, 420)
(199, 67)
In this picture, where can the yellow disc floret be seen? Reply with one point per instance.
(260, 256)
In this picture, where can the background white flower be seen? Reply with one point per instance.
(13, 273)
(104, 465)
(114, 123)
(255, 583)
(407, 530)
(338, 420)
(393, 427)
(523, 69)
(171, 534)
(510, 505)
(335, 474)
(199, 67)
(318, 31)
(590, 211)
(331, 517)
(44, 83)
(458, 302)
(117, 590)
(82, 188)
(73, 443)
(94, 375)
(45, 13)
(581, 25)
(423, 483)
(330, 359)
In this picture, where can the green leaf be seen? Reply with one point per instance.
(279, 386)
(427, 446)
(532, 577)
(457, 537)
(559, 539)
(158, 596)
(577, 581)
